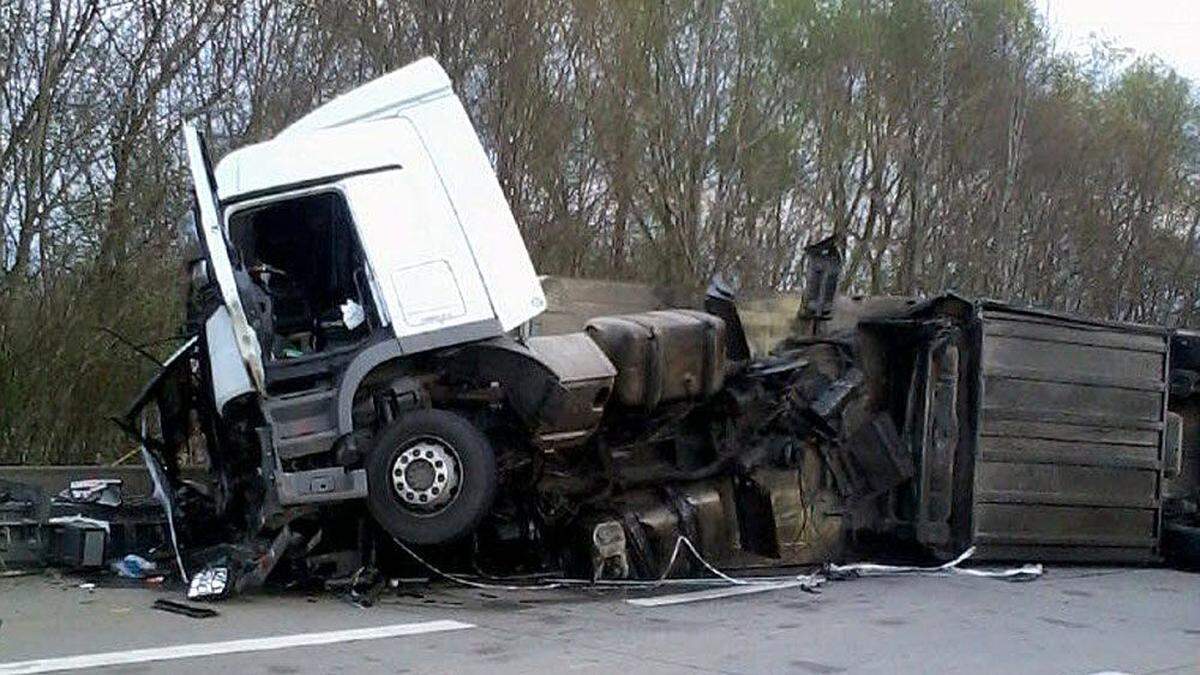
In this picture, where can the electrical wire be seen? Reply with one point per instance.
(462, 580)
(721, 579)
(808, 582)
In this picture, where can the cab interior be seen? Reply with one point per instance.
(302, 275)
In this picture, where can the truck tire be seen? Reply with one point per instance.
(431, 477)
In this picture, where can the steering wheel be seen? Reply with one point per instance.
(264, 268)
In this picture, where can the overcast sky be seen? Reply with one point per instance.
(1169, 29)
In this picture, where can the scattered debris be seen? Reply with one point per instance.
(210, 583)
(864, 569)
(77, 542)
(134, 567)
(88, 526)
(102, 491)
(184, 609)
(100, 534)
(22, 540)
(362, 588)
(8, 574)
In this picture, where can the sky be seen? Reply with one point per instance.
(1169, 29)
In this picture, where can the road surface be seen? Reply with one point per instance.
(1072, 620)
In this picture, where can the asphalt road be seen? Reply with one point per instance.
(1072, 620)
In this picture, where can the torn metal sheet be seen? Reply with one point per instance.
(164, 495)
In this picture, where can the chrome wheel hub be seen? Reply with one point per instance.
(426, 475)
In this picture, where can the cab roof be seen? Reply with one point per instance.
(339, 138)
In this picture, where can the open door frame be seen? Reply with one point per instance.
(217, 251)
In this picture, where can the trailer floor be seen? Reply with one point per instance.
(1072, 620)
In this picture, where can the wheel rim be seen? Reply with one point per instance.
(426, 475)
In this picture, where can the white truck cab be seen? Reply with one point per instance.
(370, 232)
(380, 207)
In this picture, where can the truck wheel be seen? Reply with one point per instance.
(431, 477)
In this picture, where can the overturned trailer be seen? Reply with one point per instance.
(362, 363)
(1037, 435)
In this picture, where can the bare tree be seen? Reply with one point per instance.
(942, 141)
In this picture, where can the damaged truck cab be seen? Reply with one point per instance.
(358, 304)
(366, 234)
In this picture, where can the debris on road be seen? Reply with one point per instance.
(184, 609)
(133, 567)
(91, 534)
(77, 542)
(210, 583)
(22, 540)
(838, 572)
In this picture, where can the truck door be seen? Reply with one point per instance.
(217, 252)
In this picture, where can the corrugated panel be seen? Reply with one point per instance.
(1069, 461)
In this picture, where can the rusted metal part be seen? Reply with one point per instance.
(870, 461)
(662, 357)
(719, 301)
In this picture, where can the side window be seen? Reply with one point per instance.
(300, 272)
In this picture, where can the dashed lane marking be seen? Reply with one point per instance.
(188, 651)
(711, 594)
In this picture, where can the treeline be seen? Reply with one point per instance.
(944, 141)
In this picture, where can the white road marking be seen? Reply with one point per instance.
(711, 594)
(50, 665)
